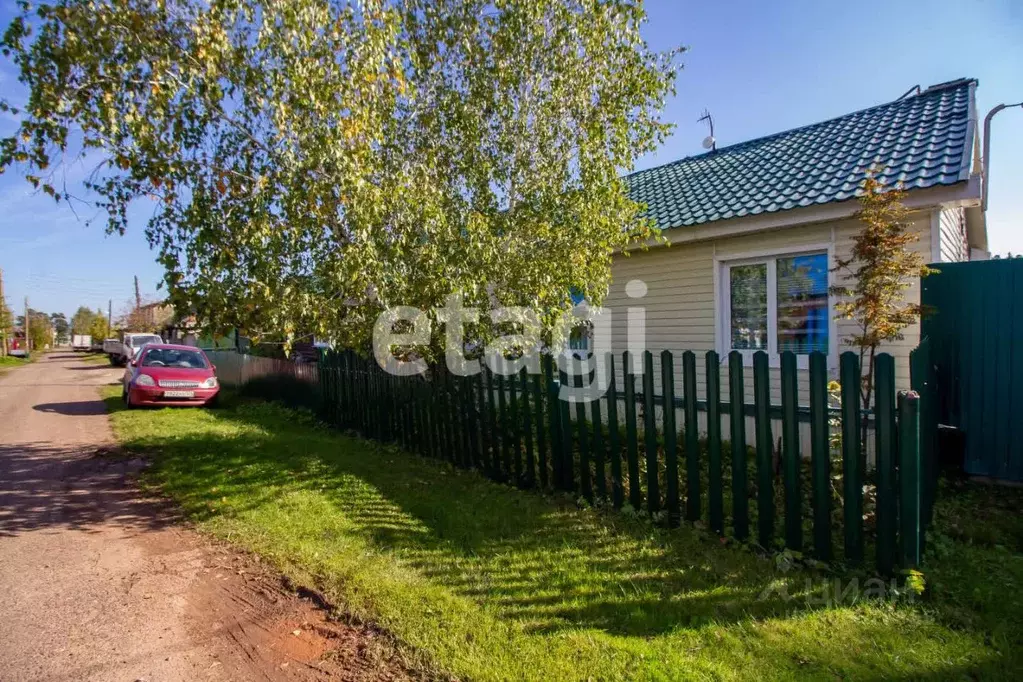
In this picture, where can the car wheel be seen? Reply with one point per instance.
(127, 400)
(213, 403)
(124, 395)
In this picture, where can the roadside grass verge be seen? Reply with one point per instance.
(8, 363)
(95, 358)
(491, 583)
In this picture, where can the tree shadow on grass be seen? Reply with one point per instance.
(539, 560)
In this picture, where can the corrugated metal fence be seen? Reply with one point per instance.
(975, 323)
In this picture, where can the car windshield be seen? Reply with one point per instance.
(139, 341)
(173, 357)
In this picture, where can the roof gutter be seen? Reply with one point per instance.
(987, 150)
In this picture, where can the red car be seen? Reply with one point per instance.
(165, 374)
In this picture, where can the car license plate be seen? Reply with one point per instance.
(179, 394)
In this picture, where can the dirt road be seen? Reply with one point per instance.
(100, 583)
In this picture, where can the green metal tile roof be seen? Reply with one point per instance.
(922, 140)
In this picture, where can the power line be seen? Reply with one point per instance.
(80, 295)
(80, 298)
(62, 277)
(53, 286)
(72, 290)
(77, 280)
(79, 283)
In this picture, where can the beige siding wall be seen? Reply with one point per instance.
(680, 303)
(680, 279)
(952, 239)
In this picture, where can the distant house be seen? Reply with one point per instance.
(754, 228)
(161, 318)
(181, 329)
(154, 315)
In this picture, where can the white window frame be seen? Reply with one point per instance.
(587, 346)
(723, 302)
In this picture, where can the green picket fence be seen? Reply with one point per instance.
(516, 429)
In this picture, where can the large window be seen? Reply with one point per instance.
(776, 304)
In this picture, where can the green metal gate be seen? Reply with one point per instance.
(975, 325)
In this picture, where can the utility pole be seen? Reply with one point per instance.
(28, 342)
(3, 315)
(110, 316)
(136, 317)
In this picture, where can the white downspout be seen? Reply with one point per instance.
(986, 171)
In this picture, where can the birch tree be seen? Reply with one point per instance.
(310, 162)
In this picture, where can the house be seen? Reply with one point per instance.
(162, 318)
(182, 329)
(153, 315)
(753, 229)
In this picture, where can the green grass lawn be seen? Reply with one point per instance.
(95, 358)
(487, 582)
(8, 363)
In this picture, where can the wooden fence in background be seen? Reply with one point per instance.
(236, 369)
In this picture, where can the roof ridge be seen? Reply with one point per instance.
(930, 90)
(948, 85)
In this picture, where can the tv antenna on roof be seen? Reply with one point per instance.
(709, 142)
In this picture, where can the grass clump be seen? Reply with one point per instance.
(8, 363)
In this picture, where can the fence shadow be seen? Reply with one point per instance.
(543, 562)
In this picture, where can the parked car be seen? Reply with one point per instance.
(121, 352)
(167, 374)
(112, 347)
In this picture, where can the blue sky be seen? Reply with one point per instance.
(759, 67)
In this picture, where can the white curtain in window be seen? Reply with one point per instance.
(748, 296)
